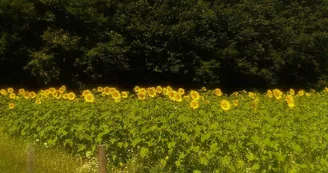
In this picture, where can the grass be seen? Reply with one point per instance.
(13, 158)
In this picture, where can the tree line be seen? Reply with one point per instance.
(228, 43)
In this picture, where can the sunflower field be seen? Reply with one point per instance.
(167, 129)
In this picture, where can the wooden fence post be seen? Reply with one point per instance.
(102, 158)
(30, 158)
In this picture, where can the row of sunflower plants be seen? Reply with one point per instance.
(173, 130)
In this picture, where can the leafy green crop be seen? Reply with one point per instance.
(248, 132)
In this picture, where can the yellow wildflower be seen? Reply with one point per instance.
(269, 94)
(12, 95)
(159, 89)
(225, 105)
(277, 94)
(194, 104)
(141, 96)
(194, 95)
(100, 89)
(71, 96)
(89, 97)
(11, 105)
(300, 93)
(125, 94)
(10, 90)
(181, 91)
(218, 92)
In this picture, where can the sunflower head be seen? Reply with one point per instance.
(10, 90)
(136, 89)
(218, 92)
(124, 94)
(89, 98)
(3, 92)
(32, 95)
(11, 105)
(106, 90)
(269, 94)
(181, 91)
(116, 95)
(151, 92)
(292, 92)
(194, 104)
(85, 92)
(52, 90)
(159, 89)
(71, 96)
(12, 95)
(300, 93)
(225, 105)
(178, 97)
(194, 95)
(141, 96)
(277, 94)
(100, 89)
(62, 89)
(21, 91)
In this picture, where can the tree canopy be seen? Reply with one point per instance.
(233, 44)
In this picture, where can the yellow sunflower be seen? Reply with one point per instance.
(218, 92)
(194, 95)
(151, 92)
(141, 96)
(62, 89)
(277, 94)
(32, 95)
(292, 92)
(136, 89)
(21, 91)
(11, 105)
(106, 90)
(269, 94)
(124, 94)
(71, 96)
(10, 90)
(26, 95)
(178, 97)
(52, 90)
(3, 92)
(12, 95)
(181, 91)
(142, 90)
(159, 89)
(100, 89)
(85, 92)
(300, 93)
(289, 99)
(165, 92)
(171, 95)
(194, 104)
(225, 105)
(116, 95)
(89, 98)
(65, 96)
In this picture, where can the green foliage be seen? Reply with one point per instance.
(260, 134)
(231, 43)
